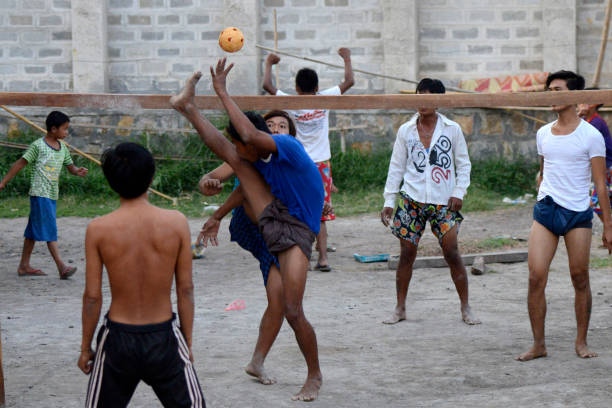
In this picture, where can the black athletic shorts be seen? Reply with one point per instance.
(155, 353)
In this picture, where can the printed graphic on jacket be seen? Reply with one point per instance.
(439, 158)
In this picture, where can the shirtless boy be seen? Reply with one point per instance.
(287, 205)
(570, 152)
(144, 248)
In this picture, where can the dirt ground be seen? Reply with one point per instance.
(430, 360)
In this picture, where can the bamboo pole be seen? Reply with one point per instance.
(361, 71)
(276, 47)
(604, 42)
(80, 152)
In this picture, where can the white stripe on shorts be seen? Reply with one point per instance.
(95, 381)
(190, 376)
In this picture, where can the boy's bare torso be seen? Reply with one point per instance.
(139, 244)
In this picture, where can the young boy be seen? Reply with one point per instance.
(287, 208)
(430, 161)
(144, 249)
(589, 113)
(313, 131)
(570, 152)
(245, 233)
(48, 154)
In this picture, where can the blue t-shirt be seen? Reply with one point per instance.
(295, 180)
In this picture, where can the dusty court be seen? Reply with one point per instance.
(431, 360)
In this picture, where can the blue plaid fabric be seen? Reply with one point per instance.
(246, 234)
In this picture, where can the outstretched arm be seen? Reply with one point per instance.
(247, 131)
(92, 297)
(212, 182)
(77, 171)
(184, 284)
(15, 168)
(268, 86)
(349, 81)
(210, 135)
(210, 229)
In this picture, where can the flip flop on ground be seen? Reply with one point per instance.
(67, 272)
(323, 268)
(32, 272)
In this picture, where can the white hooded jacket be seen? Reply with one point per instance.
(428, 177)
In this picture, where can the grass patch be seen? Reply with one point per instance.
(497, 243)
(601, 262)
(359, 176)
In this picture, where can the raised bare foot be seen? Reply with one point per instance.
(258, 372)
(29, 271)
(310, 390)
(397, 316)
(468, 317)
(184, 100)
(533, 353)
(583, 351)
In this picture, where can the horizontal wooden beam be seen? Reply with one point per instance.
(130, 102)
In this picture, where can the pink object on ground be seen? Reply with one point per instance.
(237, 304)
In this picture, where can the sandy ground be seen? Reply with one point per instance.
(430, 360)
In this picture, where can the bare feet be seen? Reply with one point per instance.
(183, 102)
(67, 271)
(468, 317)
(583, 351)
(397, 316)
(310, 389)
(258, 372)
(533, 353)
(29, 271)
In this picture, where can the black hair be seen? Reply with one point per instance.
(594, 88)
(307, 80)
(282, 114)
(573, 81)
(57, 119)
(129, 169)
(434, 86)
(255, 119)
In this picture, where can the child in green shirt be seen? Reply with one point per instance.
(47, 155)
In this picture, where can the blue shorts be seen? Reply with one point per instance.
(560, 220)
(41, 224)
(247, 235)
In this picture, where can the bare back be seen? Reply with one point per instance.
(143, 248)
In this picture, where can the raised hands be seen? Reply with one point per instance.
(345, 53)
(219, 75)
(272, 59)
(209, 232)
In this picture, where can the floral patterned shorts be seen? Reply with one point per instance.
(325, 170)
(411, 219)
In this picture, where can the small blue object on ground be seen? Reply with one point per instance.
(371, 258)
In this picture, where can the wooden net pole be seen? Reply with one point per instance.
(276, 47)
(80, 152)
(604, 42)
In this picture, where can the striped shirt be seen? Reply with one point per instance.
(48, 162)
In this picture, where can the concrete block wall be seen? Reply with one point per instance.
(464, 39)
(153, 45)
(590, 21)
(35, 45)
(316, 29)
